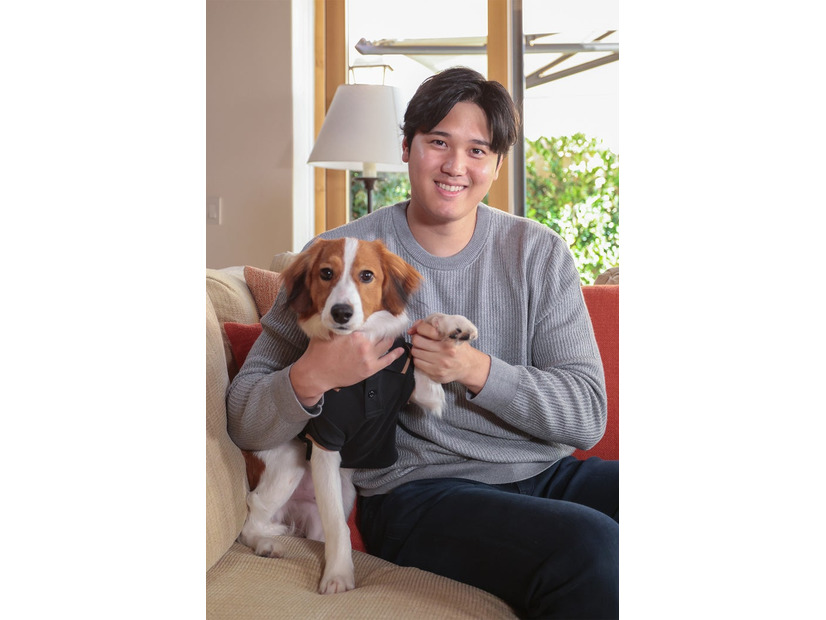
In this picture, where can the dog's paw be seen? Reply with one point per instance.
(260, 533)
(268, 548)
(265, 546)
(336, 583)
(453, 327)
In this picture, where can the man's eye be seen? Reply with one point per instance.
(326, 273)
(366, 276)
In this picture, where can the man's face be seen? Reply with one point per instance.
(452, 166)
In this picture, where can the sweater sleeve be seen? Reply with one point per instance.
(262, 408)
(558, 394)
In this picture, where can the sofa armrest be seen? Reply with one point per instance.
(232, 302)
(226, 479)
(603, 306)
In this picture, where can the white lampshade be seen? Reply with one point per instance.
(362, 131)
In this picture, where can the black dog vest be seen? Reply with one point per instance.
(359, 421)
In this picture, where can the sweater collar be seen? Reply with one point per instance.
(463, 258)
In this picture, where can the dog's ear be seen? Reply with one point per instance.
(400, 282)
(296, 279)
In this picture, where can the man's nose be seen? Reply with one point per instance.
(454, 165)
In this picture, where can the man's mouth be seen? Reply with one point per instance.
(449, 188)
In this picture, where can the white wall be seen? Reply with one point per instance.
(249, 129)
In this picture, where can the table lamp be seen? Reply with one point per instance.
(362, 131)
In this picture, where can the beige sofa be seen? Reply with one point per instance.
(241, 585)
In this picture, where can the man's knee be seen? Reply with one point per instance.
(581, 581)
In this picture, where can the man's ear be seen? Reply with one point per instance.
(498, 166)
(405, 151)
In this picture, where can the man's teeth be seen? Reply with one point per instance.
(450, 188)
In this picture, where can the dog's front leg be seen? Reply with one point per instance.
(428, 394)
(338, 575)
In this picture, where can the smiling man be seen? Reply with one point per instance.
(488, 493)
(451, 168)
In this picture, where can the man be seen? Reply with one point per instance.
(488, 494)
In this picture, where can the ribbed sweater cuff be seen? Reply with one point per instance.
(290, 407)
(500, 389)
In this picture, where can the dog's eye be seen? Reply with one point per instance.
(366, 276)
(326, 273)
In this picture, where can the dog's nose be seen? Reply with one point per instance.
(341, 313)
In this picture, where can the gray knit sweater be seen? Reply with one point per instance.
(545, 394)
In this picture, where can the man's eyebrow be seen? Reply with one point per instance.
(447, 135)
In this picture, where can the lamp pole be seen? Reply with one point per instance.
(370, 176)
(369, 184)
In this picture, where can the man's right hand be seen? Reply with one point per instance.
(338, 362)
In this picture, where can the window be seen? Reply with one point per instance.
(570, 103)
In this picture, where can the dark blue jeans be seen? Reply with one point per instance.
(548, 546)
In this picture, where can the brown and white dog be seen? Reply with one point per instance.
(335, 287)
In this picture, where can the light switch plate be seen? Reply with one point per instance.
(213, 210)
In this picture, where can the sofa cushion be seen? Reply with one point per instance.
(609, 276)
(281, 261)
(264, 287)
(226, 507)
(244, 585)
(231, 297)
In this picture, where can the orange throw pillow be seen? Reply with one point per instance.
(264, 287)
(241, 338)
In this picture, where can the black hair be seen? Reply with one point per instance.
(437, 95)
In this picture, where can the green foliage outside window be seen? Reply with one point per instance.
(389, 189)
(571, 185)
